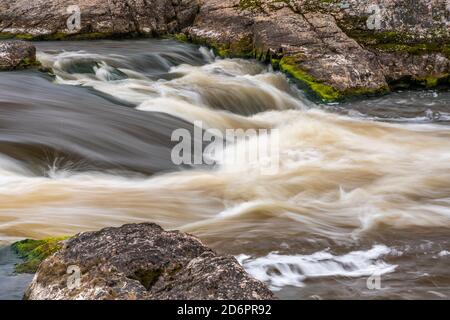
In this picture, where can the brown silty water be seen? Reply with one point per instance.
(362, 190)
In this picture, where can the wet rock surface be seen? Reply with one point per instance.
(16, 55)
(141, 261)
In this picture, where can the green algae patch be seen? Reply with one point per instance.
(403, 42)
(181, 37)
(16, 36)
(392, 41)
(253, 5)
(25, 63)
(35, 251)
(323, 91)
(243, 48)
(415, 49)
(429, 82)
(239, 49)
(29, 63)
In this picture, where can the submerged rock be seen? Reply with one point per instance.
(141, 261)
(17, 55)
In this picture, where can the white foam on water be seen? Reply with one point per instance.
(291, 270)
(220, 83)
(444, 253)
(338, 177)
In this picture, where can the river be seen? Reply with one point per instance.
(359, 207)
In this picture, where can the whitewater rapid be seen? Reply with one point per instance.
(342, 175)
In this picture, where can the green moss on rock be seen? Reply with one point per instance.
(425, 82)
(180, 37)
(323, 91)
(35, 251)
(242, 48)
(392, 41)
(415, 49)
(431, 82)
(29, 63)
(17, 36)
(254, 5)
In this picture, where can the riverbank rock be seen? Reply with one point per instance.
(141, 261)
(335, 48)
(87, 19)
(16, 55)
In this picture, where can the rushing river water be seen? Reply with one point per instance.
(363, 187)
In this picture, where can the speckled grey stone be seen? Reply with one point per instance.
(142, 261)
(16, 54)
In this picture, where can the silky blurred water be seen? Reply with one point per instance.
(363, 187)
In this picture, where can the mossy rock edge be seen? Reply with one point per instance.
(244, 48)
(35, 251)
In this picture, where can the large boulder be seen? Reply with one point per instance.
(59, 19)
(141, 261)
(16, 55)
(336, 48)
